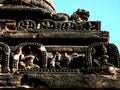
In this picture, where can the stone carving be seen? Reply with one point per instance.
(44, 48)
(24, 61)
(80, 15)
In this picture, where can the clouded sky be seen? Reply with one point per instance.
(106, 11)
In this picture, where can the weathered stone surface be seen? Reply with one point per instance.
(58, 80)
(40, 48)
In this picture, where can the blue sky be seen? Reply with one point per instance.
(106, 11)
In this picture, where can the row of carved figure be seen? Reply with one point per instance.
(66, 60)
(32, 56)
(30, 25)
(60, 59)
(35, 59)
(28, 55)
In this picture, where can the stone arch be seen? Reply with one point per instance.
(43, 52)
(6, 51)
(112, 52)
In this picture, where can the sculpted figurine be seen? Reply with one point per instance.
(66, 59)
(54, 60)
(80, 15)
(104, 50)
(16, 58)
(105, 60)
(24, 61)
(27, 62)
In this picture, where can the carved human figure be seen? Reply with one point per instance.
(54, 60)
(28, 61)
(24, 61)
(16, 58)
(104, 49)
(100, 59)
(112, 70)
(105, 60)
(66, 59)
(58, 58)
(95, 58)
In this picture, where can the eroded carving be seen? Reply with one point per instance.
(42, 45)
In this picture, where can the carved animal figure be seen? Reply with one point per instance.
(80, 15)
